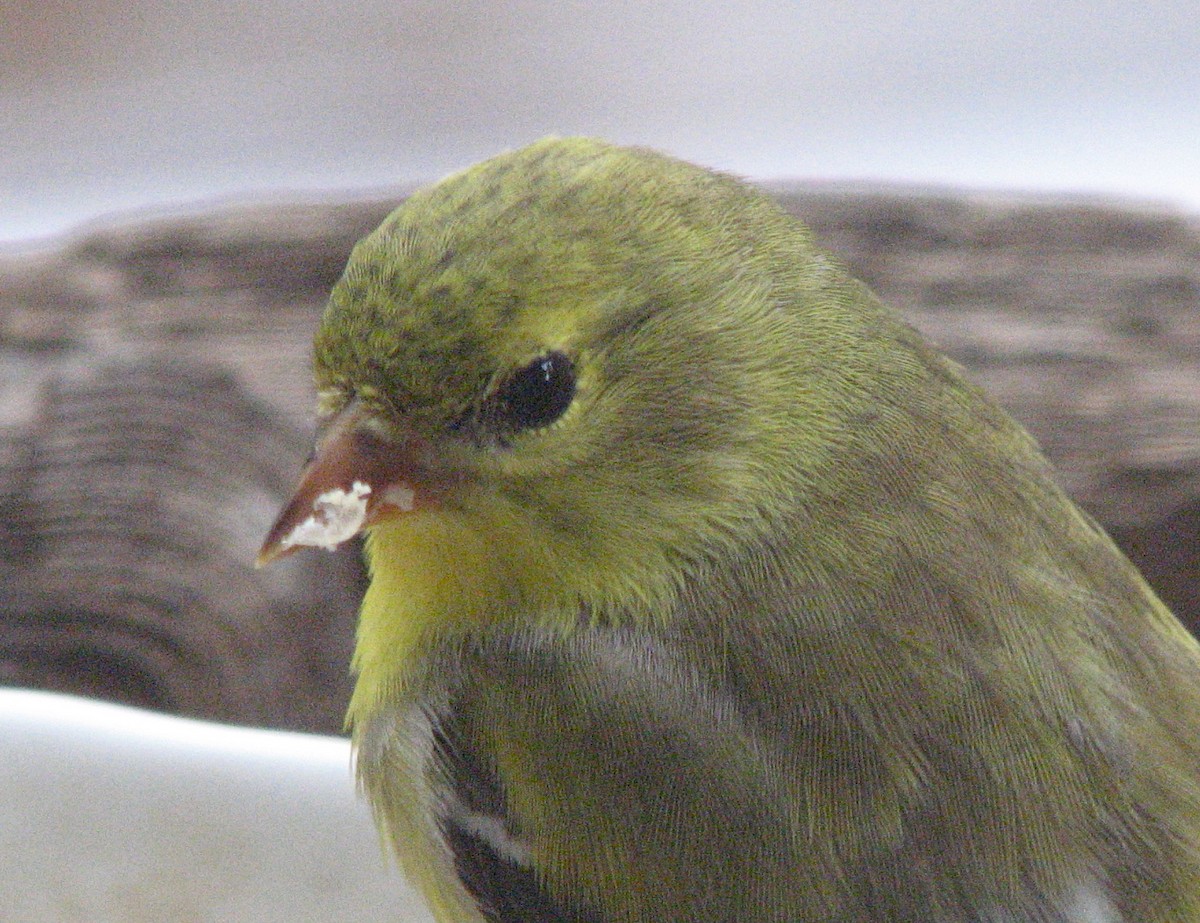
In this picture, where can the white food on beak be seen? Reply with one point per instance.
(337, 516)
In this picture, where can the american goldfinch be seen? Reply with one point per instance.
(703, 589)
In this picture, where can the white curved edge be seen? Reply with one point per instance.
(110, 813)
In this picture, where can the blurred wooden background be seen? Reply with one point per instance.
(154, 409)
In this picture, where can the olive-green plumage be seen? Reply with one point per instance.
(744, 605)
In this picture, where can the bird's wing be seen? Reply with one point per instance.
(491, 858)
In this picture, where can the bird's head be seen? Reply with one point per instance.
(570, 376)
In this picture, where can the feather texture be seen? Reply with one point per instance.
(779, 619)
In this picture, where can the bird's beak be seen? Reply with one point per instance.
(354, 479)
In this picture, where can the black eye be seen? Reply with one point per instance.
(534, 396)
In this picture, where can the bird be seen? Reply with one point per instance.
(703, 589)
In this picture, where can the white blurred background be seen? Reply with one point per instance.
(108, 105)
